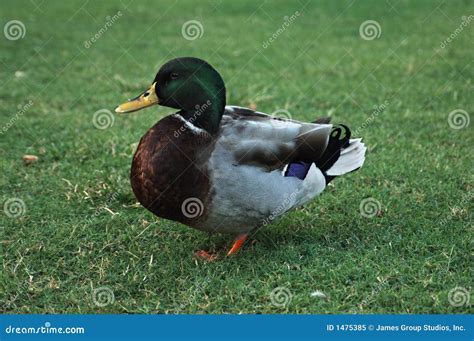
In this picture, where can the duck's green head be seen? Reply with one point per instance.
(189, 84)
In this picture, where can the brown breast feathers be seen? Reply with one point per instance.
(169, 175)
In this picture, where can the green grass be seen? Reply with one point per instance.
(66, 244)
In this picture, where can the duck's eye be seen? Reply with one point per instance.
(174, 75)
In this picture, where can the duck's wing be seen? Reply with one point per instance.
(264, 141)
(249, 186)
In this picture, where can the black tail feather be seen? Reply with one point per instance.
(338, 140)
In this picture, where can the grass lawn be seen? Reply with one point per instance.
(80, 235)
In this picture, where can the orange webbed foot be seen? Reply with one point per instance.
(205, 255)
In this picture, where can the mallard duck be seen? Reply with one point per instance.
(229, 169)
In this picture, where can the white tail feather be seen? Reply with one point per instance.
(352, 157)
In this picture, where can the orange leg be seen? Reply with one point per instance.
(239, 241)
(204, 255)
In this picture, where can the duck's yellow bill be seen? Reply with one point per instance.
(144, 100)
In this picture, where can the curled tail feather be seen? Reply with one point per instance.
(342, 155)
